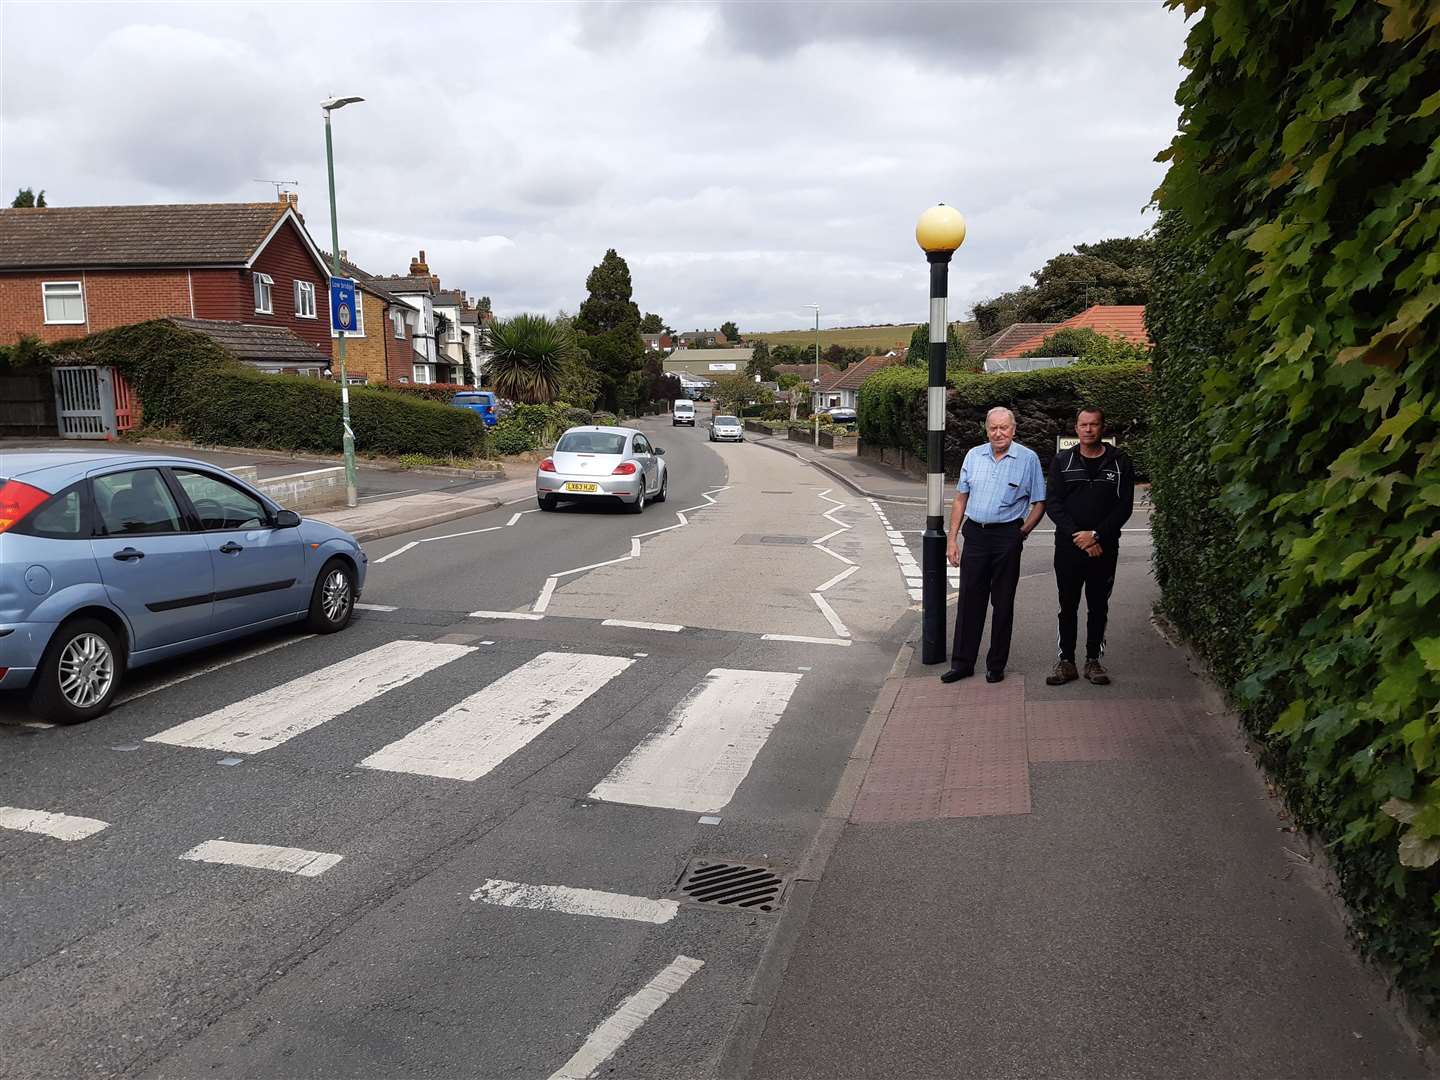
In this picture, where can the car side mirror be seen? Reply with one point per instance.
(659, 451)
(286, 519)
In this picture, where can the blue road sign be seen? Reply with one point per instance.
(342, 304)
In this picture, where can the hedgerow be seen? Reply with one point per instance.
(1296, 315)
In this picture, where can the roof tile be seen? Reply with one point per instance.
(1125, 321)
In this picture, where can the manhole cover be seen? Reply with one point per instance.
(777, 492)
(739, 885)
(757, 538)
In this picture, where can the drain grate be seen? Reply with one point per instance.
(739, 885)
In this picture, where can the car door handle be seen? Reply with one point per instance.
(128, 554)
(230, 548)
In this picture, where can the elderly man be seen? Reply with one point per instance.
(1000, 497)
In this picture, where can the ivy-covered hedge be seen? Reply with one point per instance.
(891, 409)
(1296, 314)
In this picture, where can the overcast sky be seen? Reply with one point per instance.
(746, 159)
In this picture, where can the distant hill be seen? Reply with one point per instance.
(873, 338)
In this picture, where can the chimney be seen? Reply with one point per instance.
(418, 267)
(344, 255)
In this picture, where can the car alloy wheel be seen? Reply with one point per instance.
(332, 601)
(86, 670)
(335, 595)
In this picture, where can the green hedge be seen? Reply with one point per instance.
(1296, 314)
(892, 408)
(441, 392)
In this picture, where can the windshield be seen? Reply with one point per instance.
(590, 442)
(684, 406)
(726, 420)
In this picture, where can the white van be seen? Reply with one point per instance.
(682, 412)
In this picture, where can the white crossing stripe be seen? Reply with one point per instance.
(290, 860)
(47, 823)
(270, 718)
(470, 739)
(697, 760)
(831, 616)
(505, 615)
(617, 1028)
(605, 905)
(669, 628)
(375, 607)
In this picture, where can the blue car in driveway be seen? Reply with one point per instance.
(112, 561)
(479, 401)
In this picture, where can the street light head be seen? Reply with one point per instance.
(339, 103)
(940, 229)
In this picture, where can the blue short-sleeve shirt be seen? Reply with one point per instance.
(1001, 490)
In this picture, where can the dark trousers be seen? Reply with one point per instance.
(989, 572)
(1076, 572)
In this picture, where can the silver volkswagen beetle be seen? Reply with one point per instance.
(612, 463)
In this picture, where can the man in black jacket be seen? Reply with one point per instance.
(1091, 492)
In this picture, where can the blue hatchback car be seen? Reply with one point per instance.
(479, 401)
(111, 561)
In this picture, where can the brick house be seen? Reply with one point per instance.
(67, 272)
(842, 390)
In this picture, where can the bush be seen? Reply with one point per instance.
(509, 437)
(1090, 347)
(441, 392)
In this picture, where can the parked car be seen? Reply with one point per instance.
(842, 416)
(682, 412)
(479, 401)
(112, 561)
(724, 428)
(612, 463)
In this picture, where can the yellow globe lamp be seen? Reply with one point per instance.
(940, 230)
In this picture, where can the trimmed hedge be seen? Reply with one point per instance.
(441, 392)
(892, 408)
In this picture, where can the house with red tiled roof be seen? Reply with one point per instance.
(66, 272)
(1125, 321)
(997, 343)
(842, 389)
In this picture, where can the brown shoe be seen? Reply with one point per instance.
(1064, 672)
(1095, 673)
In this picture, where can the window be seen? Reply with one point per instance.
(305, 299)
(264, 302)
(399, 319)
(64, 302)
(590, 442)
(62, 518)
(135, 502)
(357, 380)
(221, 506)
(422, 373)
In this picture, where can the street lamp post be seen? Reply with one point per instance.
(939, 232)
(347, 435)
(817, 372)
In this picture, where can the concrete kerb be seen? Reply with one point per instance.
(738, 1053)
(380, 532)
(912, 500)
(367, 463)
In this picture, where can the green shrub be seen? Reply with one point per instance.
(441, 392)
(1296, 316)
(1089, 347)
(577, 417)
(509, 437)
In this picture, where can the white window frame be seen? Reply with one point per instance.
(45, 297)
(398, 318)
(421, 373)
(304, 289)
(264, 286)
(359, 330)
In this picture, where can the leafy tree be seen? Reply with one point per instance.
(483, 305)
(731, 393)
(957, 348)
(652, 324)
(608, 328)
(760, 363)
(531, 357)
(26, 199)
(1115, 271)
(1090, 347)
(995, 314)
(730, 330)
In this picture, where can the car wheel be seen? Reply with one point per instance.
(547, 502)
(79, 674)
(638, 506)
(332, 601)
(664, 486)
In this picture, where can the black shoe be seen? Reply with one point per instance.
(994, 676)
(955, 674)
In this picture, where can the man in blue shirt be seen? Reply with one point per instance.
(1000, 497)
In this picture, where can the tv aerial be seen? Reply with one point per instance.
(280, 185)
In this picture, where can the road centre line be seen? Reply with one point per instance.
(263, 857)
(562, 898)
(452, 536)
(805, 640)
(49, 823)
(627, 1018)
(138, 694)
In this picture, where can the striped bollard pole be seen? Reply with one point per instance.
(940, 231)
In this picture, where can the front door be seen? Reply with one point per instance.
(156, 571)
(258, 569)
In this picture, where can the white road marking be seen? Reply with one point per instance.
(836, 554)
(634, 547)
(127, 698)
(470, 739)
(617, 1028)
(830, 536)
(276, 715)
(669, 628)
(841, 576)
(47, 823)
(604, 905)
(263, 857)
(831, 616)
(505, 615)
(375, 607)
(388, 494)
(543, 600)
(397, 551)
(805, 640)
(697, 760)
(456, 536)
(514, 518)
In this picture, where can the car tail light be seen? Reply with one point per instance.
(625, 468)
(548, 465)
(16, 502)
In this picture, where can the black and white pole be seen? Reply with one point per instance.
(939, 232)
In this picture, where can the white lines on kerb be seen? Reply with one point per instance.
(49, 823)
(617, 1028)
(542, 602)
(562, 898)
(452, 536)
(273, 716)
(288, 860)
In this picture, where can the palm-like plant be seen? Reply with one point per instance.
(529, 357)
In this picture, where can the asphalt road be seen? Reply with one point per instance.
(463, 822)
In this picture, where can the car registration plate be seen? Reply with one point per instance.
(582, 487)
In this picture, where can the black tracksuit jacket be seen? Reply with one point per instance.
(1076, 503)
